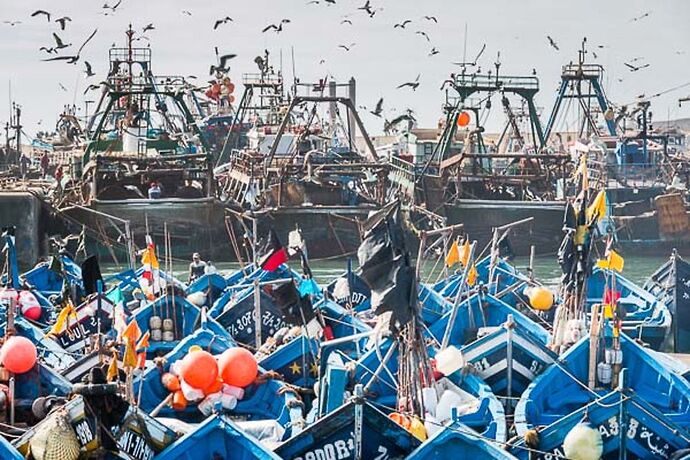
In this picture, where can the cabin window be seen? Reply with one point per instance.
(428, 149)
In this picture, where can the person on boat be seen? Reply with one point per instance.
(45, 164)
(155, 191)
(196, 268)
(24, 163)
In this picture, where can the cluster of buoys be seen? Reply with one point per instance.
(18, 355)
(540, 298)
(162, 330)
(222, 90)
(210, 381)
(26, 302)
(281, 337)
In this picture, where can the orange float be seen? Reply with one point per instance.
(179, 402)
(18, 355)
(215, 387)
(199, 369)
(170, 382)
(238, 367)
(463, 119)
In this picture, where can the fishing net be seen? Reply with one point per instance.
(55, 439)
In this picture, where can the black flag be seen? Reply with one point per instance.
(91, 274)
(296, 309)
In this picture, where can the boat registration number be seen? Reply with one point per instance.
(135, 446)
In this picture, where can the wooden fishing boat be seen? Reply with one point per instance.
(216, 437)
(357, 429)
(132, 433)
(268, 401)
(670, 283)
(48, 277)
(572, 382)
(629, 427)
(458, 441)
(646, 317)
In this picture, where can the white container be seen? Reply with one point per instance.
(430, 398)
(155, 322)
(167, 324)
(237, 392)
(228, 402)
(168, 336)
(197, 298)
(191, 394)
(156, 335)
(209, 403)
(449, 360)
(604, 373)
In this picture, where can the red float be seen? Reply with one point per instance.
(238, 367)
(199, 369)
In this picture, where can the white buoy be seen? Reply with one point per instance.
(583, 443)
(449, 360)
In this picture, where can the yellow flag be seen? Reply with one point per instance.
(453, 256)
(613, 261)
(144, 341)
(149, 258)
(465, 253)
(130, 357)
(472, 276)
(62, 320)
(597, 210)
(112, 369)
(132, 331)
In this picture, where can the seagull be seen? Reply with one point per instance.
(411, 84)
(12, 23)
(224, 20)
(378, 110)
(113, 8)
(38, 12)
(346, 21)
(62, 21)
(423, 34)
(433, 51)
(278, 28)
(62, 87)
(595, 55)
(402, 24)
(75, 58)
(148, 27)
(348, 47)
(389, 125)
(367, 8)
(222, 66)
(431, 18)
(89, 71)
(552, 43)
(103, 86)
(635, 68)
(187, 12)
(448, 82)
(640, 17)
(332, 2)
(48, 50)
(58, 41)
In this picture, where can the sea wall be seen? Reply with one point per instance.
(23, 211)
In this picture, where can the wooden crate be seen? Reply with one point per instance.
(673, 217)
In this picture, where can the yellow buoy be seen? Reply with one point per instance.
(540, 298)
(194, 348)
(417, 428)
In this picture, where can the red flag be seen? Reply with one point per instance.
(610, 297)
(274, 254)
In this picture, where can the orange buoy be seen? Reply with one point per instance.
(463, 119)
(18, 355)
(238, 367)
(199, 369)
(400, 419)
(215, 387)
(179, 402)
(170, 382)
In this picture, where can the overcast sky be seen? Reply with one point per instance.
(381, 59)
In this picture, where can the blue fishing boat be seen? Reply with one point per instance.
(459, 441)
(92, 316)
(172, 314)
(49, 352)
(646, 317)
(484, 413)
(570, 384)
(267, 401)
(357, 429)
(670, 283)
(49, 277)
(8, 451)
(205, 290)
(41, 382)
(627, 425)
(216, 437)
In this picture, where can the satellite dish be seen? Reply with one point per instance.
(609, 115)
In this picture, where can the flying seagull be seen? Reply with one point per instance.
(402, 24)
(552, 43)
(431, 18)
(635, 68)
(433, 51)
(412, 84)
(223, 63)
(378, 110)
(346, 21)
(39, 12)
(278, 28)
(62, 21)
(12, 23)
(347, 47)
(75, 58)
(186, 12)
(148, 27)
(89, 71)
(224, 20)
(423, 34)
(113, 8)
(367, 8)
(635, 19)
(59, 43)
